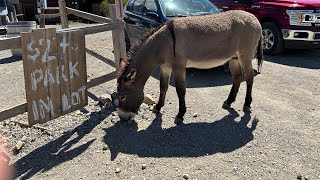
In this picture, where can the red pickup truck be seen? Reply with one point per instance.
(285, 23)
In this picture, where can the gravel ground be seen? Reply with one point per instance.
(280, 139)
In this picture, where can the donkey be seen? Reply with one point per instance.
(198, 41)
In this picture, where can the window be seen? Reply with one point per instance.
(243, 1)
(150, 6)
(2, 3)
(172, 8)
(138, 6)
(129, 5)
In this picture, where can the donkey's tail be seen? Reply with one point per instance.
(260, 55)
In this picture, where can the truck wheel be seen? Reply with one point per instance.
(272, 38)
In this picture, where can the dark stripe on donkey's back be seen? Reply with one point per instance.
(170, 26)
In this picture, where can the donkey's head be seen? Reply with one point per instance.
(130, 93)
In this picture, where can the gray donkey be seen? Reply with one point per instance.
(198, 41)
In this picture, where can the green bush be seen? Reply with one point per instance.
(104, 7)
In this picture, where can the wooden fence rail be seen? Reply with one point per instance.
(89, 16)
(15, 42)
(81, 14)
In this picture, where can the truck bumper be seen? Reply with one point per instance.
(301, 38)
(295, 44)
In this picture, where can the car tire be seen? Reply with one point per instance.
(272, 38)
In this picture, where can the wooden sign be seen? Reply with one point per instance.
(55, 73)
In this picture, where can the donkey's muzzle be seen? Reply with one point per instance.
(125, 116)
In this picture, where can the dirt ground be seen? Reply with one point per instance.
(280, 139)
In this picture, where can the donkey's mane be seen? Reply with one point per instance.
(134, 48)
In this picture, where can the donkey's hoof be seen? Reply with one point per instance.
(155, 110)
(178, 120)
(225, 105)
(247, 109)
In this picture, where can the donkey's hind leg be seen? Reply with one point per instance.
(247, 103)
(180, 82)
(248, 75)
(235, 69)
(165, 73)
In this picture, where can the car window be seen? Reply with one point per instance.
(128, 6)
(150, 6)
(138, 6)
(172, 8)
(243, 1)
(2, 3)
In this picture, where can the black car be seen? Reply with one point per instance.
(142, 15)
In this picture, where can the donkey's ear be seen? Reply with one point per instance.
(131, 76)
(122, 63)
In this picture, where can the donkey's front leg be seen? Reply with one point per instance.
(180, 82)
(165, 73)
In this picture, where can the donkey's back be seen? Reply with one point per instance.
(211, 40)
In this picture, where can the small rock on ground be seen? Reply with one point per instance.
(186, 176)
(149, 100)
(104, 99)
(105, 147)
(118, 170)
(195, 115)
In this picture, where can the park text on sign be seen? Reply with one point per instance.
(55, 73)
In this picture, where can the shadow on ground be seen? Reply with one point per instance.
(58, 151)
(309, 59)
(185, 140)
(11, 59)
(202, 77)
(196, 78)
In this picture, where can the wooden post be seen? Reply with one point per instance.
(63, 14)
(119, 10)
(119, 45)
(42, 19)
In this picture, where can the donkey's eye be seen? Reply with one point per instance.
(122, 98)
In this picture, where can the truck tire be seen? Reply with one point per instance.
(272, 38)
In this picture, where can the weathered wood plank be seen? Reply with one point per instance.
(118, 38)
(15, 42)
(42, 20)
(52, 8)
(83, 66)
(53, 69)
(12, 112)
(63, 14)
(48, 16)
(10, 43)
(93, 29)
(102, 79)
(33, 50)
(120, 32)
(89, 16)
(78, 74)
(63, 56)
(119, 10)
